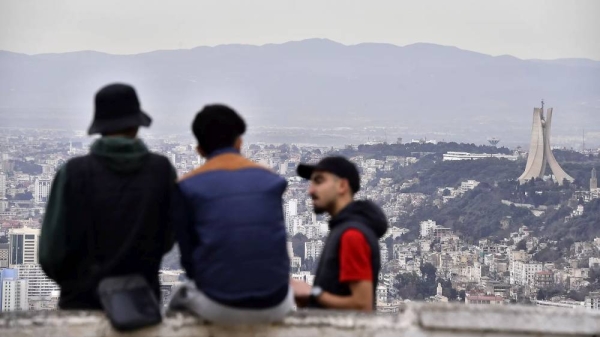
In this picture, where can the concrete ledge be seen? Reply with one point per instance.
(414, 320)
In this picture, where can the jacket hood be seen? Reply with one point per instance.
(365, 212)
(121, 154)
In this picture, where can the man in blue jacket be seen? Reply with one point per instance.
(233, 245)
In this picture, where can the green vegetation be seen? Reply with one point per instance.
(28, 168)
(475, 215)
(380, 151)
(480, 213)
(581, 228)
(411, 286)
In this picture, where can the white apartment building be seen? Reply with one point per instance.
(468, 185)
(312, 249)
(14, 295)
(396, 232)
(297, 225)
(291, 208)
(13, 292)
(524, 273)
(41, 189)
(290, 211)
(23, 245)
(290, 249)
(39, 285)
(296, 262)
(471, 273)
(383, 252)
(304, 276)
(475, 156)
(427, 228)
(2, 185)
(312, 231)
(323, 228)
(382, 294)
(592, 301)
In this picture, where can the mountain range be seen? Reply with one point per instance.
(310, 83)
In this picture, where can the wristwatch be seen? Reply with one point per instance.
(315, 292)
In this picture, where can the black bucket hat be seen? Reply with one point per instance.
(117, 108)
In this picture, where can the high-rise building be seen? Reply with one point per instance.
(312, 249)
(383, 252)
(3, 205)
(39, 285)
(2, 185)
(290, 211)
(41, 189)
(593, 180)
(23, 245)
(291, 208)
(13, 291)
(297, 225)
(290, 249)
(540, 153)
(427, 228)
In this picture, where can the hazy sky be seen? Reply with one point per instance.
(523, 28)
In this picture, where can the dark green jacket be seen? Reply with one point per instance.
(94, 203)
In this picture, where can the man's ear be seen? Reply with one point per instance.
(200, 151)
(344, 186)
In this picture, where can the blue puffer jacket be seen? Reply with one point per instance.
(234, 242)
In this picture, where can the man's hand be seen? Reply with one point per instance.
(301, 292)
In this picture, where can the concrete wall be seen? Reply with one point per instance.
(419, 320)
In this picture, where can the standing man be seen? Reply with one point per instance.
(98, 201)
(349, 265)
(234, 246)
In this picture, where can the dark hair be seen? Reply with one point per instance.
(216, 127)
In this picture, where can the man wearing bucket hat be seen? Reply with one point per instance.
(348, 269)
(119, 195)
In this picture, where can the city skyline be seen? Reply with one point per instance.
(487, 239)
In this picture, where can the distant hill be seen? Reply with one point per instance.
(308, 83)
(481, 213)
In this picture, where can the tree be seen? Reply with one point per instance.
(429, 271)
(547, 254)
(540, 295)
(578, 295)
(522, 245)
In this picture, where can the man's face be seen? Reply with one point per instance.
(324, 190)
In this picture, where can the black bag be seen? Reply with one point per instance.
(129, 302)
